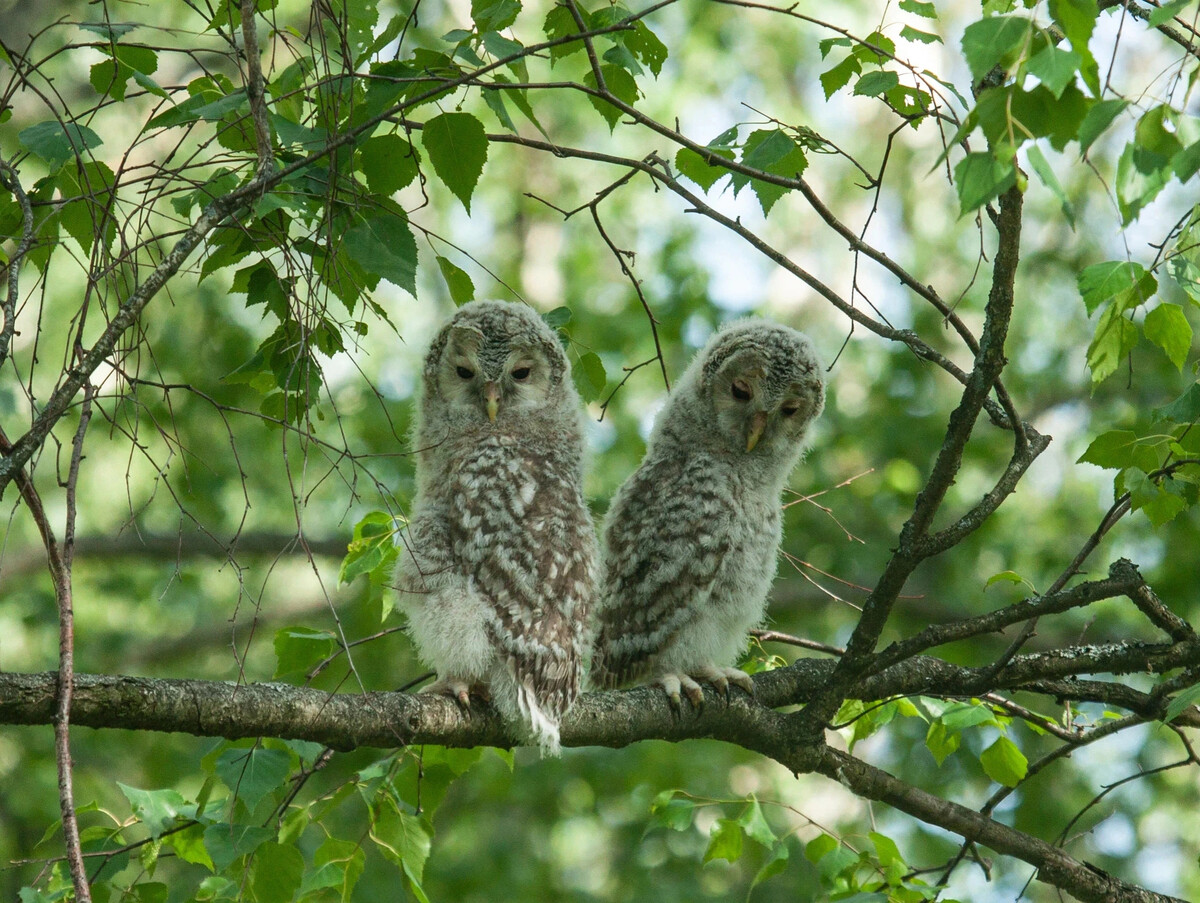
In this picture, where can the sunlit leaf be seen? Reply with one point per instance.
(1004, 762)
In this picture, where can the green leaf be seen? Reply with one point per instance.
(388, 162)
(1009, 577)
(1141, 175)
(189, 845)
(457, 148)
(754, 823)
(1186, 163)
(277, 872)
(384, 246)
(646, 45)
(494, 15)
(941, 742)
(158, 809)
(150, 891)
(776, 862)
(299, 649)
(872, 84)
(253, 773)
(56, 142)
(1167, 327)
(149, 84)
(725, 841)
(921, 37)
(462, 289)
(839, 75)
(819, 847)
(1040, 166)
(1152, 498)
(1181, 702)
(501, 47)
(959, 716)
(109, 31)
(1112, 450)
(1101, 282)
(920, 8)
(557, 318)
(695, 167)
(979, 177)
(1166, 12)
(337, 863)
(620, 84)
(670, 811)
(591, 377)
(1099, 117)
(995, 41)
(403, 839)
(560, 24)
(886, 850)
(1077, 18)
(495, 101)
(371, 548)
(228, 842)
(1116, 336)
(1055, 68)
(141, 59)
(108, 78)
(520, 99)
(1004, 763)
(773, 151)
(1184, 409)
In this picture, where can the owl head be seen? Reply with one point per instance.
(493, 363)
(758, 386)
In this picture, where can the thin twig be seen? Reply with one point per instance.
(11, 180)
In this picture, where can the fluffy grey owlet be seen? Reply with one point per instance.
(690, 539)
(497, 565)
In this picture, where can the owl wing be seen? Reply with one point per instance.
(664, 547)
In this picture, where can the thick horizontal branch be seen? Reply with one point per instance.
(613, 719)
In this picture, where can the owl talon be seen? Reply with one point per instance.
(457, 689)
(721, 678)
(671, 686)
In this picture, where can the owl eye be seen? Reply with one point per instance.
(464, 372)
(789, 409)
(741, 391)
(521, 374)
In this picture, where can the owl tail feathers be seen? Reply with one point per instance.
(533, 717)
(542, 726)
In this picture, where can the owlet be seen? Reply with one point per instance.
(497, 564)
(690, 539)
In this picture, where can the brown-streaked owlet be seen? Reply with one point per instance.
(690, 539)
(497, 564)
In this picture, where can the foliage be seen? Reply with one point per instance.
(221, 268)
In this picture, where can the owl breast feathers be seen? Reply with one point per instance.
(690, 538)
(498, 561)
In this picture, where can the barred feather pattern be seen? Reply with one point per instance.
(690, 539)
(499, 559)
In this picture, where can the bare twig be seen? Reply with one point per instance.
(11, 180)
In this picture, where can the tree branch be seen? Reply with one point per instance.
(610, 719)
(11, 180)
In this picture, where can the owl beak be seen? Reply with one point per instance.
(757, 424)
(491, 393)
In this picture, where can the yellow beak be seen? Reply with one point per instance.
(757, 424)
(491, 392)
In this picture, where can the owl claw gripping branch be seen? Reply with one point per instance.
(497, 566)
(690, 538)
